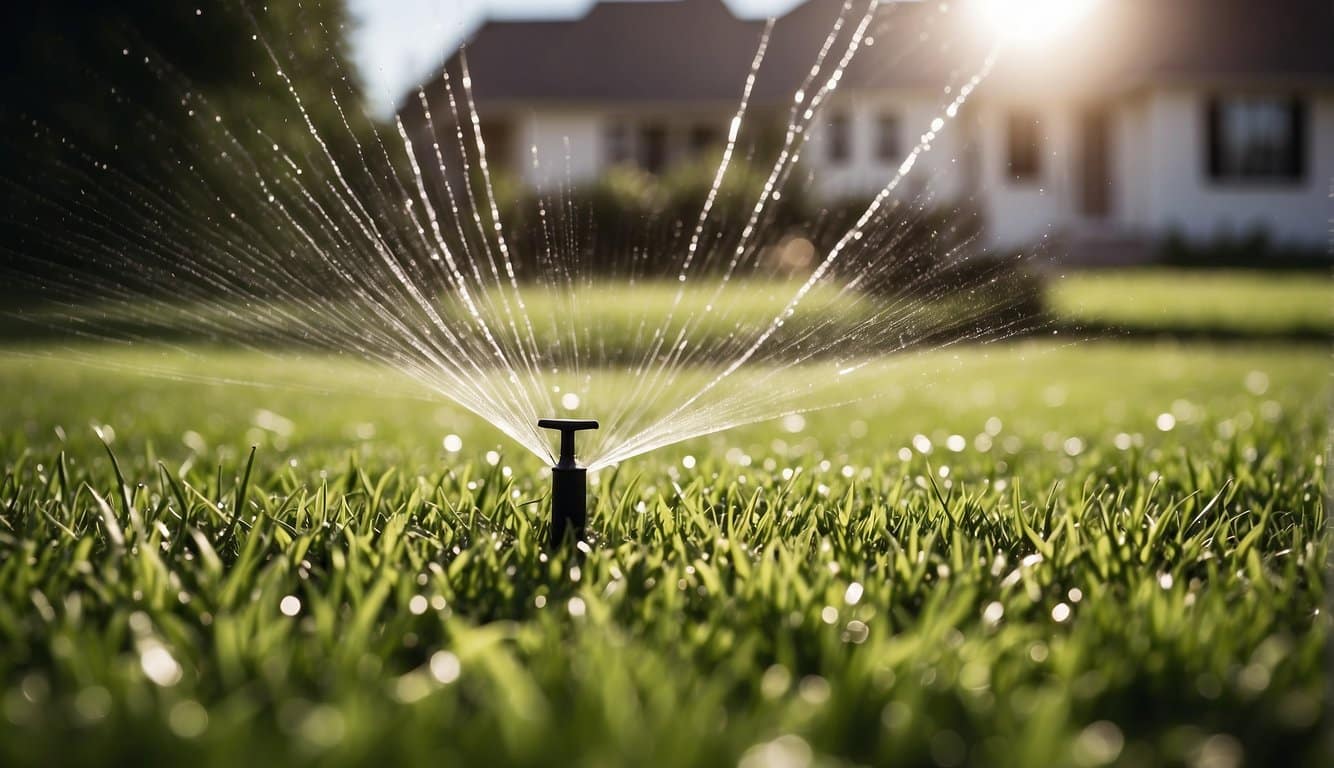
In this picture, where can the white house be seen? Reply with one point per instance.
(1144, 118)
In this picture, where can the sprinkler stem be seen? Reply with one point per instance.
(569, 482)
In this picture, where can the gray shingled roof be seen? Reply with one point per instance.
(697, 51)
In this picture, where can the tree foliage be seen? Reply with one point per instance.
(148, 91)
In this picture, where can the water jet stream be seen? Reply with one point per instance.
(401, 252)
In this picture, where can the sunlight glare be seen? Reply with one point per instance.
(1033, 22)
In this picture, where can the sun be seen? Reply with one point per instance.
(1033, 22)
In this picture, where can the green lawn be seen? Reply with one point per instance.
(1029, 554)
(1300, 303)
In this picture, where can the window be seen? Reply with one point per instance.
(653, 147)
(498, 139)
(619, 149)
(1256, 139)
(887, 149)
(1023, 150)
(840, 139)
(703, 137)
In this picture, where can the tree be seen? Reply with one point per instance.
(103, 98)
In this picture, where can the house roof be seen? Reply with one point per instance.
(683, 52)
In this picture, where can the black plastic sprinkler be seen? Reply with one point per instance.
(569, 482)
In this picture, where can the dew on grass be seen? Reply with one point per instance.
(1257, 382)
(1165, 422)
(92, 703)
(1060, 613)
(290, 605)
(322, 726)
(787, 751)
(445, 667)
(159, 665)
(1219, 750)
(775, 681)
(853, 594)
(453, 443)
(577, 607)
(1099, 743)
(856, 632)
(188, 719)
(813, 689)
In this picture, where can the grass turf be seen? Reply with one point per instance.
(1216, 301)
(1023, 555)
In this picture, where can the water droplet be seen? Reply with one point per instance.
(445, 667)
(159, 665)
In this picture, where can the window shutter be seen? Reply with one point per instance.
(1297, 151)
(1213, 132)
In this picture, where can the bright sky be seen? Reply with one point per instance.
(398, 41)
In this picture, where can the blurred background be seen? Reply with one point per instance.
(1130, 135)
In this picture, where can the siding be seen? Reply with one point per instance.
(939, 174)
(1180, 196)
(568, 146)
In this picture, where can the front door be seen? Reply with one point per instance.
(1095, 164)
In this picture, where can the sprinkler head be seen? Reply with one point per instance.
(569, 482)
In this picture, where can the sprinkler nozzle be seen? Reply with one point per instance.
(569, 482)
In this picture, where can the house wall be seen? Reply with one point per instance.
(1177, 194)
(580, 135)
(1159, 182)
(568, 145)
(938, 174)
(1019, 213)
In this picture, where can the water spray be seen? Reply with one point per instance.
(569, 482)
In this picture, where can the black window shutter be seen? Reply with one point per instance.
(1213, 131)
(1297, 151)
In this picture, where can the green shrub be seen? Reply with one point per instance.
(1254, 249)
